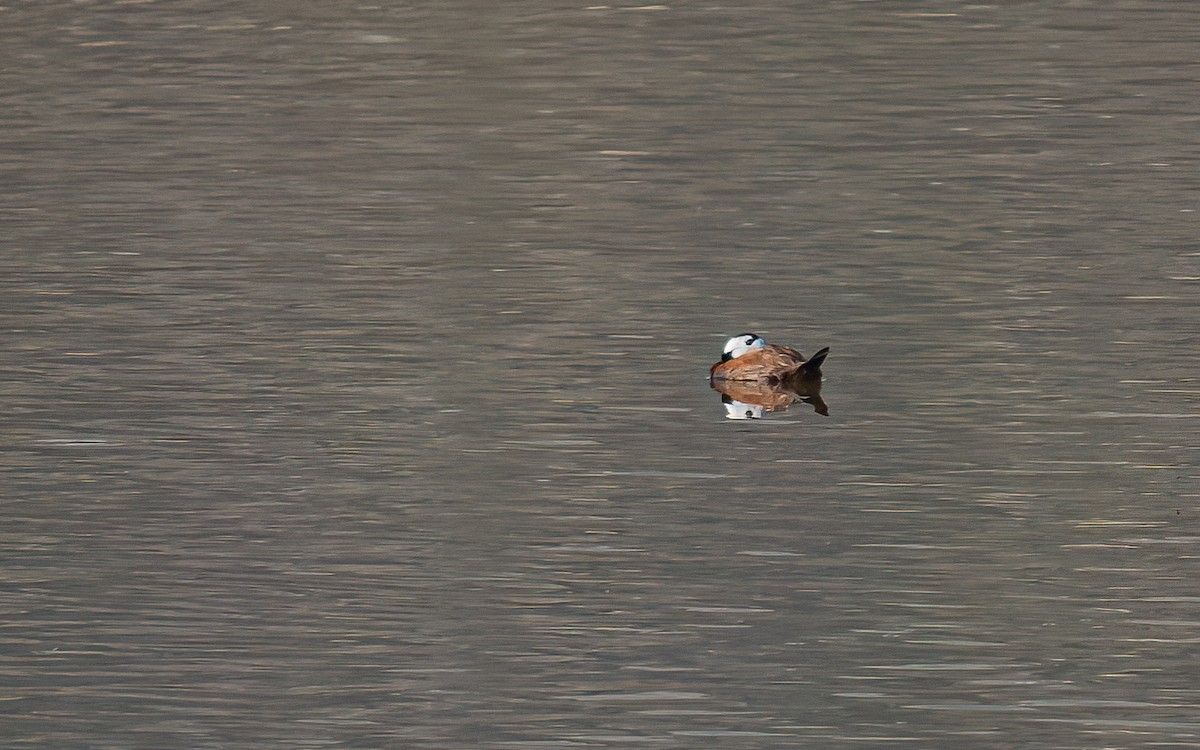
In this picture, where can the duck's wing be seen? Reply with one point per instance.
(786, 354)
(769, 361)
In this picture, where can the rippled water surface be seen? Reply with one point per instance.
(355, 375)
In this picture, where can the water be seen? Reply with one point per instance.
(355, 376)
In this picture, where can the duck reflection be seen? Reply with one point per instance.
(752, 399)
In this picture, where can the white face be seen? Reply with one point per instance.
(738, 410)
(739, 345)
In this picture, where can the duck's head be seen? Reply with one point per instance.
(740, 344)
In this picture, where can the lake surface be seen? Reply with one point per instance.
(355, 375)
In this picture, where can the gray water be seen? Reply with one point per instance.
(355, 375)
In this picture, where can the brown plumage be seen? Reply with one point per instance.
(773, 396)
(769, 363)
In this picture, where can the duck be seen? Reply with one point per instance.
(748, 357)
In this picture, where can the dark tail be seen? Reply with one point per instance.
(813, 365)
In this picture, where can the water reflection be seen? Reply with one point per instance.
(749, 399)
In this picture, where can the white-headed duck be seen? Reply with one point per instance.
(748, 357)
